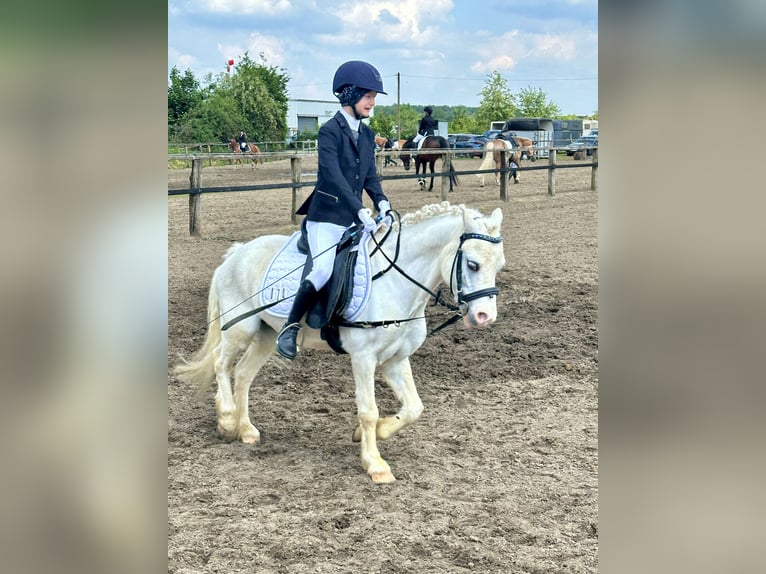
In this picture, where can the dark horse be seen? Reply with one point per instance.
(421, 159)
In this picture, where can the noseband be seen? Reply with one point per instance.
(457, 271)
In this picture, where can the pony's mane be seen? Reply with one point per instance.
(435, 210)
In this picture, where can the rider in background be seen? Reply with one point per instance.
(242, 140)
(346, 168)
(427, 126)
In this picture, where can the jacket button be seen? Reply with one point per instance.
(357, 160)
(356, 177)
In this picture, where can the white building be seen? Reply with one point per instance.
(308, 115)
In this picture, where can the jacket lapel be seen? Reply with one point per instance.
(346, 129)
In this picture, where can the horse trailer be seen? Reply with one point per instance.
(539, 130)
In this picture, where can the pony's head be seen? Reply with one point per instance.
(479, 259)
(471, 256)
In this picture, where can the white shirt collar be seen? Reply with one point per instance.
(353, 123)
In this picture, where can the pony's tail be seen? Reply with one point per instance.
(200, 371)
(487, 162)
(488, 159)
(452, 175)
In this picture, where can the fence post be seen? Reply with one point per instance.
(195, 196)
(295, 168)
(552, 172)
(594, 169)
(503, 175)
(379, 163)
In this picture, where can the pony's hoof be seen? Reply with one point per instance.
(250, 435)
(385, 477)
(357, 435)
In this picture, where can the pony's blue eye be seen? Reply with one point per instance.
(472, 265)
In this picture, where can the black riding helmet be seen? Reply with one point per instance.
(359, 74)
(353, 80)
(429, 110)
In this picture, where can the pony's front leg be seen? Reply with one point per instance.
(367, 410)
(398, 376)
(226, 410)
(251, 362)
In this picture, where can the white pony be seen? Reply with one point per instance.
(439, 243)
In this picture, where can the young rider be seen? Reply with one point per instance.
(346, 168)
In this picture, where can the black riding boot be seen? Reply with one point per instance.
(304, 299)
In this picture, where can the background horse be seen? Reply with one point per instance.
(421, 159)
(440, 243)
(254, 151)
(492, 151)
(386, 144)
(524, 145)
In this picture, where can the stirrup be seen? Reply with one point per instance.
(288, 326)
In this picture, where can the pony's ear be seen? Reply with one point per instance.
(496, 220)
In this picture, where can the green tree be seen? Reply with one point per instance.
(497, 101)
(260, 92)
(184, 95)
(533, 103)
(216, 118)
(384, 124)
(410, 117)
(464, 122)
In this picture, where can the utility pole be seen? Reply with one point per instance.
(398, 103)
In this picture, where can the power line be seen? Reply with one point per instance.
(510, 80)
(467, 79)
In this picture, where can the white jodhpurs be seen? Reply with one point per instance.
(322, 239)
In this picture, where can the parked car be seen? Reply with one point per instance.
(585, 142)
(471, 145)
(491, 134)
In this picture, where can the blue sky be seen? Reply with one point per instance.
(442, 49)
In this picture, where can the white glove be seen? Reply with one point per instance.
(384, 207)
(365, 216)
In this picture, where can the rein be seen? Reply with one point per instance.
(462, 299)
(343, 240)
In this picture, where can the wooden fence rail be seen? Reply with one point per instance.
(195, 190)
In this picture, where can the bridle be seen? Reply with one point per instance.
(457, 271)
(457, 263)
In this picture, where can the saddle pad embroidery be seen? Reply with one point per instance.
(285, 270)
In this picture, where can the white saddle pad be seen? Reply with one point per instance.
(285, 270)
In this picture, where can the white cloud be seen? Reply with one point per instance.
(505, 52)
(557, 47)
(269, 46)
(269, 7)
(501, 62)
(499, 53)
(257, 44)
(181, 61)
(408, 23)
